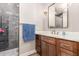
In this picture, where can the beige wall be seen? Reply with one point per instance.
(73, 19)
(26, 16)
(32, 14)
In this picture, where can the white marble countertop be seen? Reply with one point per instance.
(73, 36)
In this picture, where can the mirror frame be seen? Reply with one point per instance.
(67, 18)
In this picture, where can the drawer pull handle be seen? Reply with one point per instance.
(66, 46)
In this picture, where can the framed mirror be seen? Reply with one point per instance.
(58, 15)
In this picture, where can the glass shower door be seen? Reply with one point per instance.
(3, 34)
(9, 19)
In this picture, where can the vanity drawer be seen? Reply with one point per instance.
(50, 40)
(64, 52)
(69, 45)
(44, 38)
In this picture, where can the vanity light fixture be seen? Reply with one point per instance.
(45, 13)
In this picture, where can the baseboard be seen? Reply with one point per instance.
(28, 53)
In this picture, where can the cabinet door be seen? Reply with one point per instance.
(44, 48)
(69, 45)
(38, 44)
(38, 40)
(78, 48)
(52, 50)
(64, 52)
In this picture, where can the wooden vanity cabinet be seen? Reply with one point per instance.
(52, 50)
(64, 52)
(48, 47)
(44, 48)
(66, 48)
(78, 48)
(38, 44)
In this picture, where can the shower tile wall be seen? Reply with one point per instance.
(10, 15)
(13, 34)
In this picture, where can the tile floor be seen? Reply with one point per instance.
(35, 54)
(11, 52)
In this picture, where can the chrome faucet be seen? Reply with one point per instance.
(63, 33)
(53, 31)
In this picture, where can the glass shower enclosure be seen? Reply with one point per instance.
(9, 27)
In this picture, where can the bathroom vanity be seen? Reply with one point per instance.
(56, 45)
